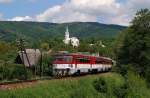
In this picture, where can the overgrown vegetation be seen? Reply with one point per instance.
(133, 46)
(13, 71)
(133, 86)
(115, 86)
(65, 88)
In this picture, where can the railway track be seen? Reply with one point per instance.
(16, 82)
(11, 85)
(34, 80)
(25, 81)
(45, 78)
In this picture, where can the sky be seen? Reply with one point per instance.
(119, 12)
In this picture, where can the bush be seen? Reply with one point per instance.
(137, 87)
(120, 92)
(10, 71)
(112, 86)
(100, 85)
(21, 73)
(45, 67)
(5, 71)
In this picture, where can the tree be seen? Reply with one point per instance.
(45, 46)
(133, 45)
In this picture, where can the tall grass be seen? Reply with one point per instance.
(137, 87)
(65, 88)
(81, 88)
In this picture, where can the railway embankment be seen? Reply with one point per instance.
(104, 85)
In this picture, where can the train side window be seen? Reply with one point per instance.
(59, 59)
(83, 60)
(68, 58)
(98, 61)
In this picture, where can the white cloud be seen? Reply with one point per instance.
(106, 11)
(18, 18)
(5, 1)
(49, 13)
(96, 7)
(128, 10)
(80, 10)
(63, 14)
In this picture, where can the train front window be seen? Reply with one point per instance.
(66, 59)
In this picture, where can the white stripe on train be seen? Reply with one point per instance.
(70, 69)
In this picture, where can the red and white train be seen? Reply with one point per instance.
(70, 64)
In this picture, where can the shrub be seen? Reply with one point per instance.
(9, 71)
(45, 67)
(5, 71)
(120, 92)
(21, 73)
(112, 86)
(137, 87)
(100, 85)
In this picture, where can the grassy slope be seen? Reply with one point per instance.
(82, 88)
(66, 88)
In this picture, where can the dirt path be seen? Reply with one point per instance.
(17, 85)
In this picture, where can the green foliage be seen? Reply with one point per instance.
(62, 88)
(132, 46)
(9, 71)
(137, 87)
(84, 87)
(7, 51)
(109, 86)
(34, 31)
(47, 65)
(100, 85)
(44, 46)
(56, 45)
(120, 92)
(21, 73)
(132, 86)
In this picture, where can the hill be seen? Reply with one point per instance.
(33, 31)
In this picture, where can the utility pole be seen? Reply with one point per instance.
(21, 46)
(41, 64)
(35, 68)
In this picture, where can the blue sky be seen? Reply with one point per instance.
(26, 7)
(105, 11)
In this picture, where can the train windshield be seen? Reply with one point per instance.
(64, 59)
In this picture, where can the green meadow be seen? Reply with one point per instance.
(83, 87)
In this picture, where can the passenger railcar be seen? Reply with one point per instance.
(70, 64)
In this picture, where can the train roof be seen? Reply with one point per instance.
(82, 55)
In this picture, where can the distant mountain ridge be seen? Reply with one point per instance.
(33, 31)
